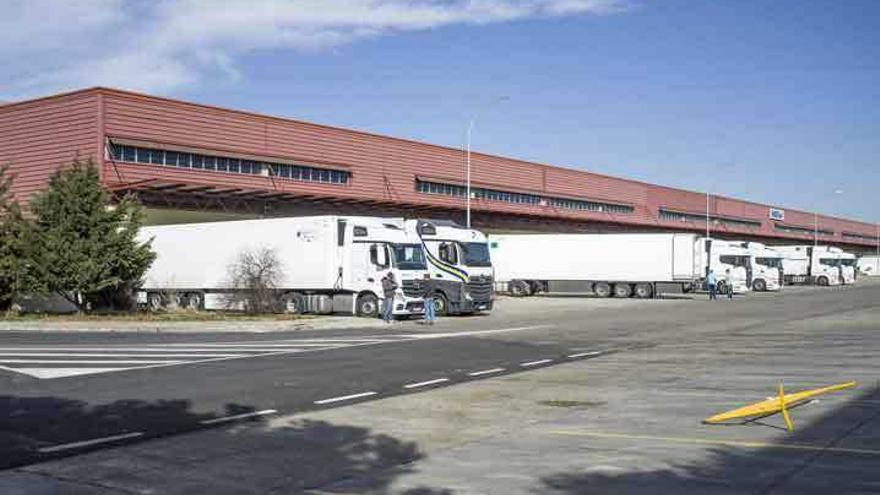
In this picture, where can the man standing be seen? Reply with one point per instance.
(711, 282)
(429, 293)
(389, 288)
(729, 284)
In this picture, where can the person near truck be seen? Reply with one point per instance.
(389, 288)
(711, 283)
(729, 283)
(429, 292)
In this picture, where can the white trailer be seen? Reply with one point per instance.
(329, 263)
(767, 273)
(869, 265)
(605, 264)
(810, 265)
(459, 263)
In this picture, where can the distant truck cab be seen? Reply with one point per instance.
(767, 272)
(459, 263)
(810, 265)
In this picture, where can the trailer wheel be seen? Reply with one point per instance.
(602, 289)
(193, 301)
(155, 301)
(644, 291)
(519, 288)
(441, 304)
(622, 290)
(368, 305)
(759, 285)
(823, 281)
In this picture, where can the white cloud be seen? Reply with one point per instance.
(161, 46)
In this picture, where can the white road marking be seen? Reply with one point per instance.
(486, 372)
(99, 354)
(236, 417)
(147, 349)
(88, 443)
(344, 397)
(535, 363)
(582, 354)
(49, 373)
(476, 332)
(89, 361)
(425, 384)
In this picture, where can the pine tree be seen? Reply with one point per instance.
(87, 249)
(15, 243)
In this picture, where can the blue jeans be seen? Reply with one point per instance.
(388, 308)
(712, 291)
(430, 311)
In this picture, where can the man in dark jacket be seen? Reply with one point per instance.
(429, 293)
(389, 288)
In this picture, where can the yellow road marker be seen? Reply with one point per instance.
(727, 443)
(775, 405)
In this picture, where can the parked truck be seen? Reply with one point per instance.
(328, 263)
(459, 263)
(731, 262)
(810, 265)
(847, 261)
(767, 272)
(620, 265)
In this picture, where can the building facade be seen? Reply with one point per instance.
(188, 161)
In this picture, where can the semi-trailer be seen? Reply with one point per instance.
(459, 263)
(327, 263)
(810, 265)
(621, 265)
(767, 273)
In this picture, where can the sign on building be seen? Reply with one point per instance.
(777, 214)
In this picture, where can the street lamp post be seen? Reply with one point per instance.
(816, 222)
(470, 130)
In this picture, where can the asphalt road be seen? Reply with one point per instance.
(65, 395)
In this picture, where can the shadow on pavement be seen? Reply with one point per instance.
(259, 456)
(763, 470)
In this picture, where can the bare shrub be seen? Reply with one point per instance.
(255, 276)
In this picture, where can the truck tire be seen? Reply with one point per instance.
(721, 287)
(759, 285)
(602, 289)
(441, 304)
(367, 305)
(644, 291)
(823, 281)
(519, 288)
(622, 290)
(155, 301)
(194, 301)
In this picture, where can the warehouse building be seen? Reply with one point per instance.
(192, 162)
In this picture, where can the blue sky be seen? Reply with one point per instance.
(772, 101)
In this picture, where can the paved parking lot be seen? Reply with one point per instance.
(496, 404)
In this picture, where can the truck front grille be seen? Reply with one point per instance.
(480, 288)
(412, 288)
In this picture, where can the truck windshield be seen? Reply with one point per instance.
(848, 262)
(771, 262)
(475, 253)
(409, 256)
(829, 261)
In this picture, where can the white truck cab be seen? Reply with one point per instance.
(731, 263)
(459, 263)
(767, 273)
(847, 263)
(810, 265)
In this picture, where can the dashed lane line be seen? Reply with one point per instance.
(236, 417)
(584, 354)
(426, 383)
(88, 443)
(342, 398)
(535, 363)
(486, 372)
